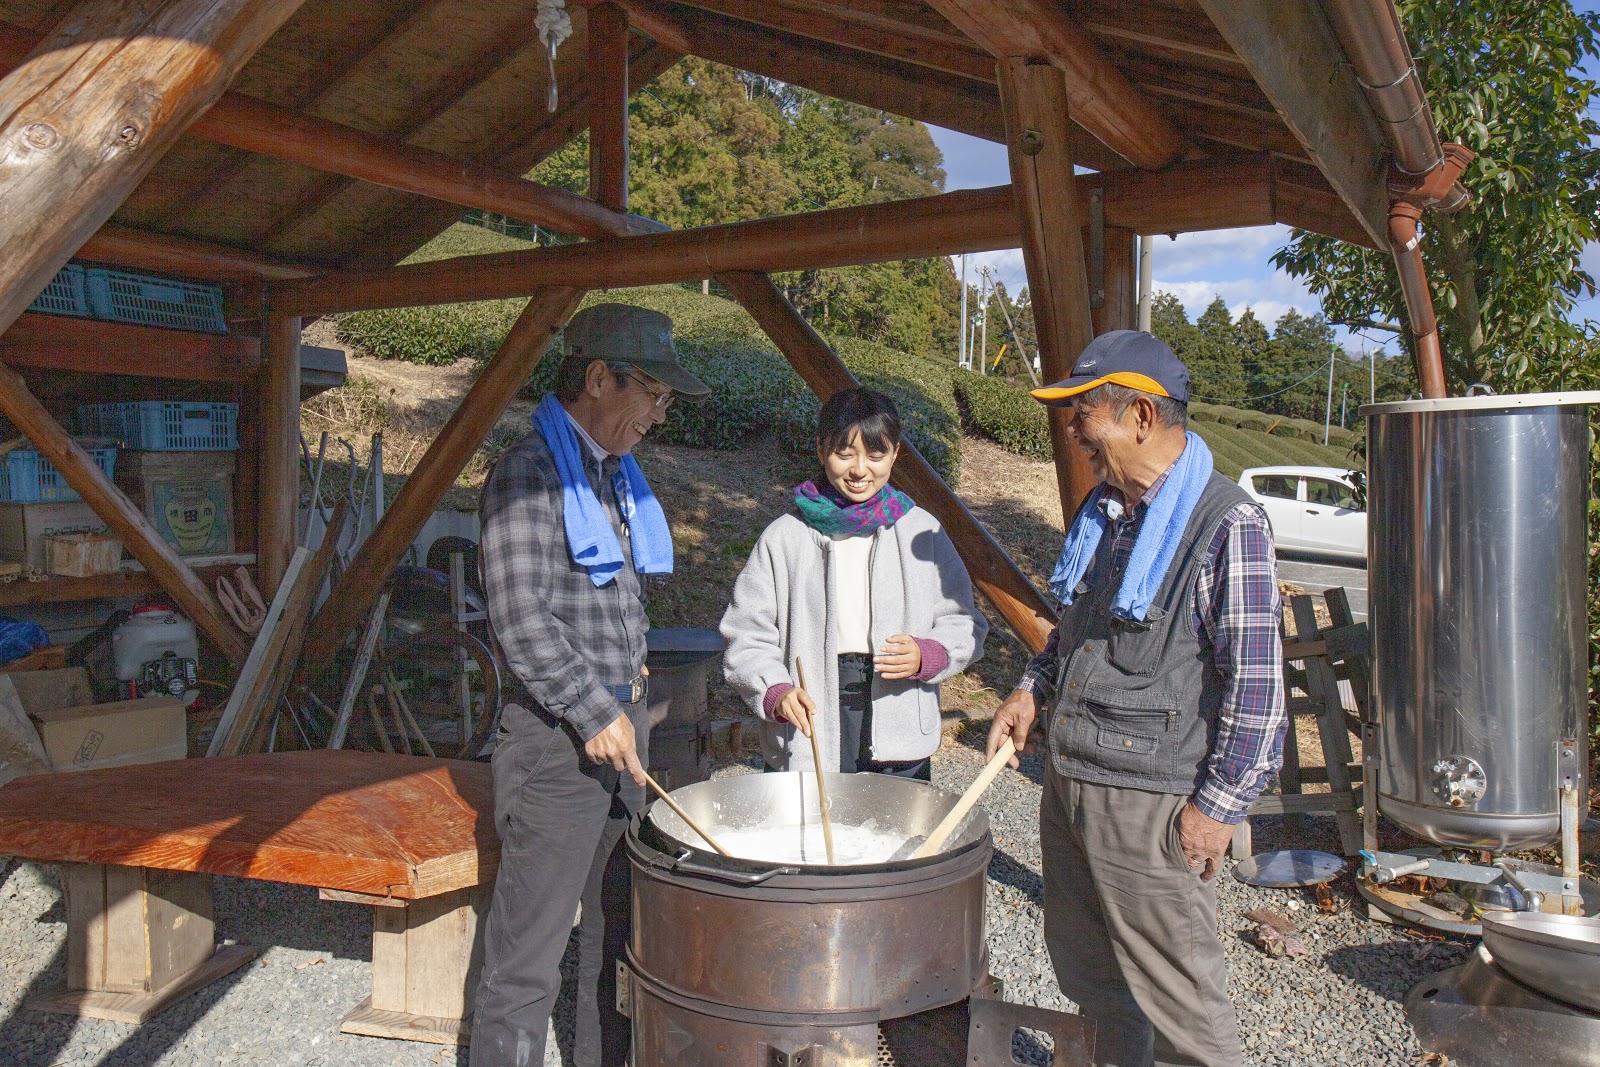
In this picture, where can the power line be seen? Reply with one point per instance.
(1263, 396)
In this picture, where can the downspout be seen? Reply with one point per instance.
(1425, 174)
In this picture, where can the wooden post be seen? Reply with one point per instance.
(278, 454)
(1035, 99)
(92, 109)
(126, 521)
(1022, 606)
(608, 105)
(438, 468)
(1119, 310)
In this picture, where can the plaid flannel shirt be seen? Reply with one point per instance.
(564, 638)
(1236, 615)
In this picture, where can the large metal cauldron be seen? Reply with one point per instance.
(1477, 561)
(737, 962)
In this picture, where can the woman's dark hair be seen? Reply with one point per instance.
(850, 410)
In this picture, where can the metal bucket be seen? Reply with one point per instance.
(1478, 564)
(734, 956)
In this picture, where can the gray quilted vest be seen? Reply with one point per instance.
(1136, 703)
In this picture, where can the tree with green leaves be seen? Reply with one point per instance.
(1504, 79)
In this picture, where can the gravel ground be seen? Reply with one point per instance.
(1339, 1005)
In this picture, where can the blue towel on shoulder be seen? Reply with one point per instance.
(590, 538)
(1157, 543)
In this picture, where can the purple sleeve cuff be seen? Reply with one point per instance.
(769, 703)
(935, 658)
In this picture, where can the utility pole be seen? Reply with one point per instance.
(962, 356)
(983, 346)
(1344, 403)
(1022, 349)
(1146, 272)
(1327, 412)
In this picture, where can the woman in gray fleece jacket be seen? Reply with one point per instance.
(866, 591)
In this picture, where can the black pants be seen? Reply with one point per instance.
(855, 724)
(561, 820)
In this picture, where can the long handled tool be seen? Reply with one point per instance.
(680, 813)
(936, 840)
(816, 761)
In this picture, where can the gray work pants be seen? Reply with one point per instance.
(1132, 931)
(561, 820)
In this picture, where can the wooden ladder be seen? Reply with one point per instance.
(1324, 658)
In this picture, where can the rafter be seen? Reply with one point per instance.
(1296, 59)
(1103, 101)
(1158, 26)
(948, 100)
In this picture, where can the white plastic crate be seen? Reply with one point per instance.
(64, 295)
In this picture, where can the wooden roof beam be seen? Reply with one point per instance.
(1179, 199)
(1103, 101)
(1296, 59)
(952, 101)
(1137, 22)
(169, 254)
(866, 31)
(253, 125)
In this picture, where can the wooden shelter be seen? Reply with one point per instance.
(296, 150)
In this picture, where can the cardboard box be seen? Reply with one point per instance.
(23, 528)
(187, 496)
(42, 691)
(87, 737)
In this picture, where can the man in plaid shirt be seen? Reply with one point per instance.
(1163, 683)
(574, 734)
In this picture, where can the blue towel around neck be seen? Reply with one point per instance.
(1156, 544)
(590, 538)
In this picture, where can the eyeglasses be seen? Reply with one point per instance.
(663, 401)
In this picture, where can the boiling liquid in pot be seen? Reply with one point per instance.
(804, 844)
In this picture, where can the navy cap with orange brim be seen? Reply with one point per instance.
(1122, 357)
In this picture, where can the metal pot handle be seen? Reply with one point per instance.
(681, 862)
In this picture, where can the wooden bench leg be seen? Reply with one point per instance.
(137, 940)
(425, 960)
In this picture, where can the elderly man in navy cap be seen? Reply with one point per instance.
(1163, 687)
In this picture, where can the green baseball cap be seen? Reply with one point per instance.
(639, 337)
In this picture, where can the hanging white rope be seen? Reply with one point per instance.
(555, 26)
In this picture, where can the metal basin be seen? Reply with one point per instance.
(763, 944)
(1559, 955)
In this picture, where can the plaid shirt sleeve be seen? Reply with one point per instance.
(1238, 609)
(523, 542)
(1039, 676)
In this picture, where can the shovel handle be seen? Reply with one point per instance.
(948, 824)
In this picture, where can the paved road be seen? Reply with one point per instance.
(1317, 575)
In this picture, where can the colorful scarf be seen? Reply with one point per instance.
(828, 512)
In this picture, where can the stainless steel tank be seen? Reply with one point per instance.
(1477, 572)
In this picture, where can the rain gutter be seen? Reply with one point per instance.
(1425, 173)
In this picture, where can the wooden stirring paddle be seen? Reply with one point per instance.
(816, 760)
(935, 841)
(680, 813)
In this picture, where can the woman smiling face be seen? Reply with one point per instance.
(857, 470)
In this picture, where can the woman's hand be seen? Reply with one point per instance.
(796, 706)
(900, 658)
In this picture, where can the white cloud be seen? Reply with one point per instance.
(1193, 253)
(1269, 296)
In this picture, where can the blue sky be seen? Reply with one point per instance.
(1196, 267)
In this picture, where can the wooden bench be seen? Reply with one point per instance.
(411, 836)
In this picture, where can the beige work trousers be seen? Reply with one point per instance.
(1132, 932)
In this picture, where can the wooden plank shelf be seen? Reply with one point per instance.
(90, 346)
(56, 590)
